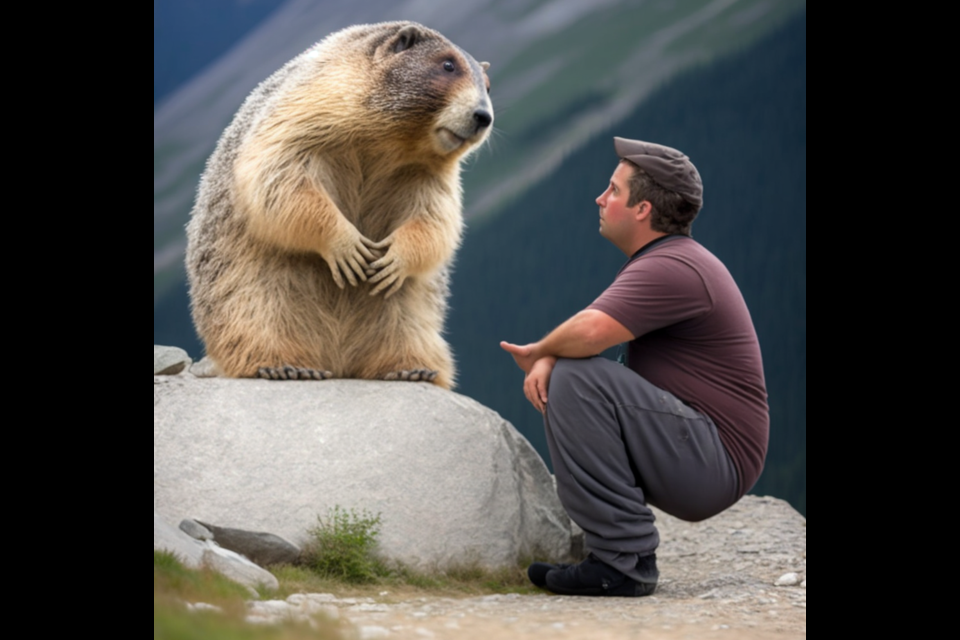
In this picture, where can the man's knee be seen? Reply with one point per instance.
(580, 375)
(570, 376)
(560, 376)
(577, 388)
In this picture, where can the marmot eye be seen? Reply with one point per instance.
(448, 66)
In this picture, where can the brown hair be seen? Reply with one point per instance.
(672, 213)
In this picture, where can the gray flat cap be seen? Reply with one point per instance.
(671, 169)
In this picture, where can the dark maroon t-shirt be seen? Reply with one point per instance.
(694, 338)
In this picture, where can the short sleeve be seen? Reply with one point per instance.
(654, 292)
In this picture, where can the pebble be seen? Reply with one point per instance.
(204, 368)
(787, 580)
(169, 361)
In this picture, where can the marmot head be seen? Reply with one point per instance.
(422, 88)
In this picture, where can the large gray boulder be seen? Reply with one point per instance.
(453, 482)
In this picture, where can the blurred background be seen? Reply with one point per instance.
(722, 80)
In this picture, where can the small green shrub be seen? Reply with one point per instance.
(343, 545)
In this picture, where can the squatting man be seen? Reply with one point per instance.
(684, 426)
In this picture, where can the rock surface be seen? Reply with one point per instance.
(260, 547)
(196, 530)
(452, 481)
(238, 568)
(168, 361)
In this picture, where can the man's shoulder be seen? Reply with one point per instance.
(680, 246)
(688, 251)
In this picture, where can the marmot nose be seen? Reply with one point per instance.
(483, 118)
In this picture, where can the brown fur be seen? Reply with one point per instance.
(328, 216)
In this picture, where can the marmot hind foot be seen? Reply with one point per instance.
(292, 373)
(413, 375)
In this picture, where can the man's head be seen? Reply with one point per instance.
(666, 179)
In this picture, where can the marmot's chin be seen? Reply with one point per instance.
(448, 140)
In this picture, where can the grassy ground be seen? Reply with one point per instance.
(175, 585)
(340, 560)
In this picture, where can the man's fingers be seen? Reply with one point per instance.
(530, 393)
(541, 393)
(515, 349)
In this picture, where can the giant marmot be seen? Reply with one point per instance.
(328, 215)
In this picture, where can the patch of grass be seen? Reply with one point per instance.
(177, 623)
(342, 552)
(174, 585)
(468, 579)
(343, 546)
(171, 579)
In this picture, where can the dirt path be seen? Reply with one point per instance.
(718, 580)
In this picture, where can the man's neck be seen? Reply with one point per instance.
(643, 240)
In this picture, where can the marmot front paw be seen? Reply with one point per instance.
(391, 269)
(350, 258)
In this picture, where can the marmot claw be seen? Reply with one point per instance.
(412, 375)
(292, 373)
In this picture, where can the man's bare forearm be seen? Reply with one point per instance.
(586, 334)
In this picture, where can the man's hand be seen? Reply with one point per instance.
(582, 336)
(537, 380)
(522, 354)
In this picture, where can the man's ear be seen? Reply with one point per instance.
(644, 210)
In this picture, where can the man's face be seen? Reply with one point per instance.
(618, 222)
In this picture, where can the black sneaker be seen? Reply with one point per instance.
(595, 578)
(537, 572)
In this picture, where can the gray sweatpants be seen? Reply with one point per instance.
(618, 443)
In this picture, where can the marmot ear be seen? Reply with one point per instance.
(484, 65)
(406, 38)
